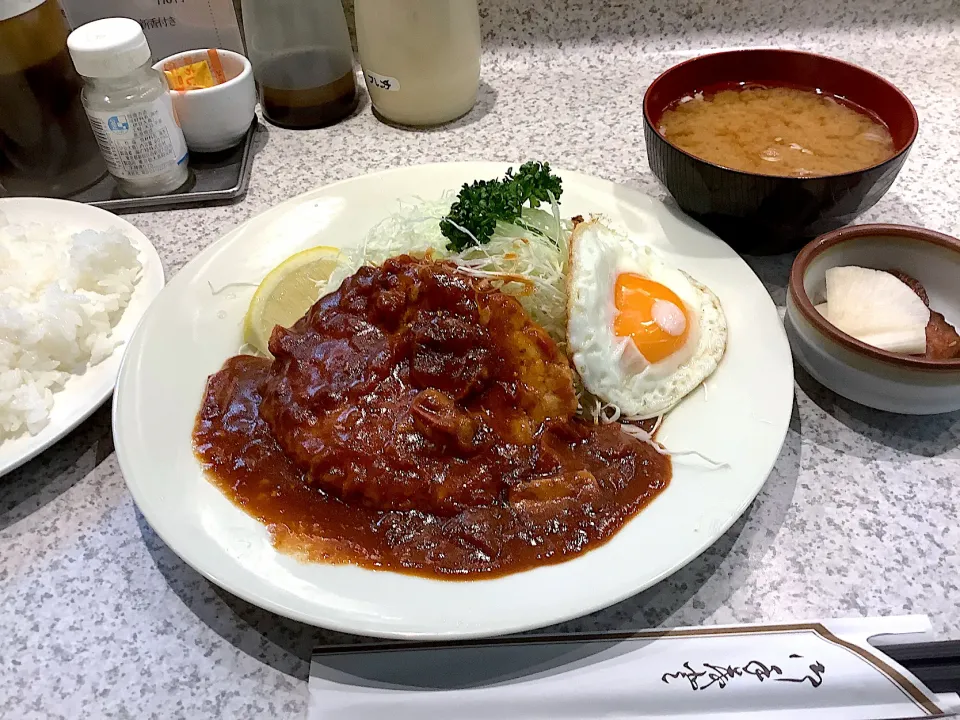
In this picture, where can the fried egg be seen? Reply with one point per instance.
(642, 334)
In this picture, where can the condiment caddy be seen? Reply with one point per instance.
(214, 178)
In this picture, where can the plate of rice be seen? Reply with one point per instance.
(74, 282)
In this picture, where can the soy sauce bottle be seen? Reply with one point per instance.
(302, 61)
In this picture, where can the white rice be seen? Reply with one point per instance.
(61, 295)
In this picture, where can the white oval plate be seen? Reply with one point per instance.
(82, 394)
(195, 325)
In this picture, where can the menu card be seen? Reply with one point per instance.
(825, 670)
(171, 26)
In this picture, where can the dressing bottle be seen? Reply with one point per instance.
(420, 58)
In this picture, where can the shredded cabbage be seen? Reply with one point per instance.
(527, 260)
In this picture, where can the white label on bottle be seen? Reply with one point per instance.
(381, 82)
(139, 141)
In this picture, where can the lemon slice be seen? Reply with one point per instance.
(287, 292)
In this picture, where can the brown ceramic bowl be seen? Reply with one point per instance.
(766, 214)
(876, 378)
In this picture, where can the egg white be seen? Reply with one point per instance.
(611, 367)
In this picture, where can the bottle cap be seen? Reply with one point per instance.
(12, 8)
(108, 48)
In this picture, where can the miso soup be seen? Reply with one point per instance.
(777, 131)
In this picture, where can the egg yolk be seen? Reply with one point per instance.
(645, 315)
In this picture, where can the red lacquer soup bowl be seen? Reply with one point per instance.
(766, 214)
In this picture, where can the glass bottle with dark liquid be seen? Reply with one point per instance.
(302, 89)
(302, 61)
(46, 145)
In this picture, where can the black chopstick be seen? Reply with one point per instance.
(936, 664)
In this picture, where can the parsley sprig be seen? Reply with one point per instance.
(481, 204)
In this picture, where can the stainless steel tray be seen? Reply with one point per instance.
(214, 177)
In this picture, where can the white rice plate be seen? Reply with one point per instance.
(61, 295)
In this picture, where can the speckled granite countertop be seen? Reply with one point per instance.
(98, 618)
